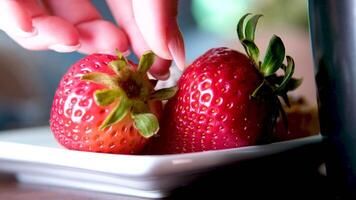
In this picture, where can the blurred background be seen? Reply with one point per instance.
(28, 79)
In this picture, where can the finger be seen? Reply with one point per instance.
(122, 12)
(76, 12)
(157, 19)
(53, 32)
(102, 36)
(96, 34)
(160, 69)
(15, 19)
(124, 16)
(176, 46)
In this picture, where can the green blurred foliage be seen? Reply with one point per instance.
(221, 16)
(290, 12)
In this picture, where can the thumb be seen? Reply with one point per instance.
(157, 21)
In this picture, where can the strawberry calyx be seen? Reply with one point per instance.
(273, 86)
(129, 90)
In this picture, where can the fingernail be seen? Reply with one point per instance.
(125, 53)
(176, 47)
(160, 68)
(25, 34)
(113, 53)
(161, 77)
(64, 48)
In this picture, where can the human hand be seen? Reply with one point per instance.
(68, 25)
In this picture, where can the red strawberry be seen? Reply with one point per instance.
(107, 104)
(226, 99)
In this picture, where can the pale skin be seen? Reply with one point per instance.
(76, 25)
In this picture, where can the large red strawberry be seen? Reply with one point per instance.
(107, 104)
(226, 99)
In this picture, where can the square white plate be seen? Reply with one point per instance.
(34, 156)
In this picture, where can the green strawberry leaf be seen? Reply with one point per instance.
(274, 56)
(285, 99)
(120, 56)
(100, 78)
(288, 71)
(257, 90)
(117, 65)
(146, 62)
(139, 106)
(250, 28)
(252, 50)
(118, 113)
(164, 94)
(146, 123)
(240, 27)
(293, 84)
(105, 97)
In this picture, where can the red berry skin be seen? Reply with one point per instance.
(76, 118)
(213, 108)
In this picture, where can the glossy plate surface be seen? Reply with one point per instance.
(34, 156)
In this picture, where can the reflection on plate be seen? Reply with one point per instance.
(34, 156)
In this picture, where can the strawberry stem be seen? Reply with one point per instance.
(146, 62)
(130, 90)
(272, 86)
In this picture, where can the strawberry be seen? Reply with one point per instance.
(107, 104)
(226, 99)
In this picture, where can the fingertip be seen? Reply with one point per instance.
(53, 33)
(101, 36)
(151, 19)
(18, 32)
(176, 47)
(160, 69)
(15, 19)
(64, 48)
(161, 52)
(162, 77)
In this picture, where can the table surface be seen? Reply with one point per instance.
(11, 189)
(290, 175)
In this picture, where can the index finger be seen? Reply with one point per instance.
(157, 21)
(15, 19)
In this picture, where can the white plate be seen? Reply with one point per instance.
(34, 156)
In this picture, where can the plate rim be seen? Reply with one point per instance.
(152, 165)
